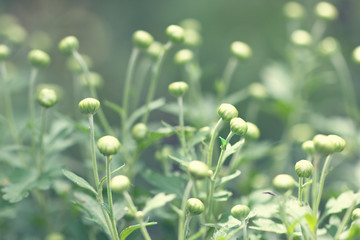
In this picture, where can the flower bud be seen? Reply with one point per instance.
(155, 50)
(162, 154)
(227, 111)
(328, 46)
(326, 11)
(355, 214)
(119, 183)
(240, 50)
(68, 45)
(192, 38)
(198, 170)
(191, 23)
(240, 211)
(142, 39)
(238, 126)
(4, 52)
(15, 34)
(175, 33)
(89, 106)
(178, 89)
(194, 206)
(38, 58)
(308, 147)
(257, 91)
(94, 80)
(339, 142)
(74, 66)
(283, 182)
(183, 57)
(252, 132)
(47, 97)
(301, 38)
(356, 54)
(301, 132)
(304, 168)
(139, 132)
(55, 236)
(294, 10)
(108, 145)
(323, 144)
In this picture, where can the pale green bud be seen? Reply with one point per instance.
(89, 106)
(47, 97)
(183, 57)
(304, 168)
(38, 58)
(240, 211)
(241, 50)
(68, 45)
(252, 132)
(178, 89)
(55, 236)
(4, 52)
(238, 126)
(175, 33)
(328, 46)
(198, 170)
(194, 206)
(355, 214)
(120, 183)
(326, 11)
(139, 132)
(308, 147)
(323, 144)
(142, 39)
(356, 54)
(339, 142)
(294, 10)
(108, 145)
(301, 38)
(155, 50)
(227, 111)
(258, 91)
(283, 182)
(192, 38)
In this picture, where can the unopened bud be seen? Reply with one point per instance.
(38, 58)
(304, 168)
(108, 145)
(198, 170)
(119, 183)
(178, 89)
(175, 33)
(241, 50)
(68, 45)
(194, 206)
(240, 211)
(47, 97)
(142, 39)
(227, 111)
(238, 126)
(89, 106)
(283, 182)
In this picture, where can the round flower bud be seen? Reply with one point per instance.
(198, 170)
(119, 183)
(191, 23)
(47, 97)
(192, 38)
(155, 50)
(227, 111)
(240, 211)
(283, 182)
(356, 54)
(183, 57)
(74, 66)
(95, 80)
(178, 89)
(339, 142)
(323, 144)
(252, 132)
(4, 52)
(257, 91)
(308, 147)
(38, 58)
(194, 206)
(355, 214)
(15, 34)
(139, 132)
(175, 33)
(142, 39)
(301, 38)
(326, 11)
(294, 10)
(304, 168)
(89, 106)
(301, 132)
(240, 50)
(328, 46)
(108, 145)
(68, 45)
(238, 126)
(55, 236)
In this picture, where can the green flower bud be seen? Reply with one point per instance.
(328, 46)
(326, 11)
(356, 54)
(55, 236)
(258, 91)
(198, 170)
(191, 23)
(301, 38)
(4, 52)
(89, 106)
(142, 39)
(178, 89)
(47, 97)
(68, 45)
(74, 66)
(240, 50)
(294, 10)
(227, 111)
(238, 126)
(155, 50)
(355, 214)
(252, 132)
(108, 145)
(338, 141)
(175, 33)
(304, 168)
(15, 34)
(140, 132)
(162, 154)
(192, 38)
(283, 182)
(183, 57)
(308, 147)
(240, 211)
(301, 132)
(323, 144)
(194, 206)
(119, 183)
(95, 80)
(38, 58)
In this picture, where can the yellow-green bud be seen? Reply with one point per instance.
(323, 144)
(191, 23)
(15, 34)
(55, 236)
(240, 211)
(47, 97)
(308, 147)
(198, 170)
(257, 91)
(339, 142)
(355, 214)
(227, 111)
(194, 206)
(304, 168)
(119, 183)
(240, 50)
(192, 38)
(94, 80)
(38, 58)
(178, 89)
(283, 182)
(68, 45)
(139, 132)
(142, 39)
(328, 46)
(155, 50)
(89, 106)
(356, 54)
(252, 132)
(108, 145)
(74, 66)
(301, 38)
(294, 10)
(183, 57)
(301, 132)
(238, 126)
(175, 33)
(326, 11)
(4, 52)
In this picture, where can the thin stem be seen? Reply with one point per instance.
(344, 221)
(301, 188)
(182, 130)
(318, 30)
(228, 73)
(109, 194)
(245, 236)
(324, 172)
(315, 184)
(283, 216)
(212, 141)
(186, 226)
(40, 157)
(143, 69)
(181, 227)
(33, 75)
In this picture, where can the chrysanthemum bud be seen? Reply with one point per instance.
(142, 39)
(308, 147)
(191, 23)
(240, 211)
(355, 214)
(15, 34)
(227, 111)
(38, 58)
(326, 11)
(55, 236)
(301, 38)
(192, 38)
(94, 80)
(183, 57)
(4, 52)
(119, 183)
(68, 45)
(198, 170)
(339, 142)
(252, 132)
(241, 50)
(283, 182)
(356, 54)
(238, 126)
(139, 132)
(178, 89)
(155, 50)
(301, 132)
(304, 168)
(323, 144)
(108, 145)
(294, 10)
(258, 91)
(175, 33)
(89, 106)
(47, 97)
(328, 46)
(194, 206)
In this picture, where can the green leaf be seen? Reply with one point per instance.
(268, 225)
(228, 178)
(231, 149)
(113, 106)
(183, 163)
(342, 202)
(222, 195)
(311, 221)
(158, 201)
(127, 231)
(223, 143)
(198, 138)
(78, 181)
(354, 232)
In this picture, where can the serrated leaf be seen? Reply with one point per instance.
(78, 181)
(158, 201)
(228, 178)
(342, 202)
(127, 231)
(231, 149)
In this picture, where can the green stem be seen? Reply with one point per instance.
(109, 194)
(324, 172)
(212, 141)
(228, 73)
(33, 74)
(318, 30)
(181, 227)
(315, 184)
(344, 221)
(143, 69)
(301, 182)
(40, 157)
(182, 130)
(283, 216)
(186, 226)
(193, 74)
(245, 235)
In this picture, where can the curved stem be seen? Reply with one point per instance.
(245, 236)
(344, 221)
(109, 194)
(324, 172)
(212, 141)
(186, 226)
(181, 227)
(228, 73)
